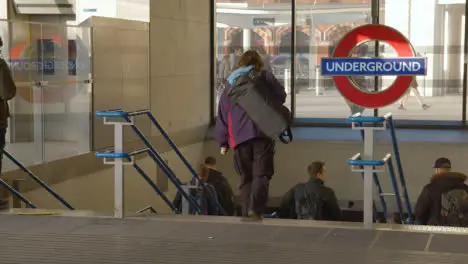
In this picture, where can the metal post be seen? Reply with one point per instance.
(368, 176)
(185, 202)
(38, 122)
(287, 80)
(465, 66)
(118, 172)
(317, 80)
(375, 10)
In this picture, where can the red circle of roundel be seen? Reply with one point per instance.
(365, 33)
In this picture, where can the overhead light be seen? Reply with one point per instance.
(232, 5)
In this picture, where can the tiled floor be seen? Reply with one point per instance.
(72, 239)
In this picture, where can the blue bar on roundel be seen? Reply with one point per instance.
(373, 66)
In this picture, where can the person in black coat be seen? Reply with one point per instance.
(224, 191)
(311, 200)
(429, 206)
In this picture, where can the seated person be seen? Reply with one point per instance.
(311, 200)
(221, 185)
(217, 185)
(444, 201)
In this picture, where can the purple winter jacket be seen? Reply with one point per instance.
(233, 125)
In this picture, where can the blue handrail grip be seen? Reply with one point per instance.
(112, 155)
(366, 162)
(366, 119)
(111, 114)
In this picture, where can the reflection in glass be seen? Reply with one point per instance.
(436, 32)
(261, 25)
(50, 114)
(320, 26)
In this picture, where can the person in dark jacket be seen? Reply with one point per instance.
(253, 151)
(216, 184)
(428, 206)
(7, 92)
(224, 191)
(311, 200)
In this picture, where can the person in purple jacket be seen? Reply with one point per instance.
(253, 151)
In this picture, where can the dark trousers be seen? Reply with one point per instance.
(253, 161)
(2, 145)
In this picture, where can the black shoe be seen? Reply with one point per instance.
(425, 106)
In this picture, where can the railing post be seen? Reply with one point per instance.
(317, 81)
(118, 172)
(287, 80)
(368, 176)
(368, 169)
(185, 202)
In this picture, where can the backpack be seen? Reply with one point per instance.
(270, 116)
(454, 208)
(310, 205)
(208, 200)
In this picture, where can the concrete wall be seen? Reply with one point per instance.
(180, 64)
(120, 72)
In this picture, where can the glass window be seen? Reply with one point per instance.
(261, 25)
(434, 27)
(437, 33)
(51, 110)
(319, 27)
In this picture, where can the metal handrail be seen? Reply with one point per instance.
(122, 114)
(396, 151)
(117, 113)
(128, 156)
(390, 125)
(17, 194)
(151, 151)
(37, 180)
(147, 208)
(357, 162)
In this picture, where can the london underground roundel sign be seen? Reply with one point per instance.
(405, 66)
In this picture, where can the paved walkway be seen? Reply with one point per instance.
(332, 105)
(181, 240)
